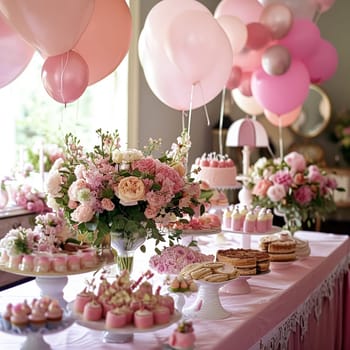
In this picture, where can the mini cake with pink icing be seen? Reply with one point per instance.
(54, 315)
(249, 224)
(183, 337)
(161, 314)
(143, 319)
(27, 263)
(218, 170)
(82, 299)
(19, 318)
(93, 311)
(116, 318)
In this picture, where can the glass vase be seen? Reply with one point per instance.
(125, 249)
(292, 223)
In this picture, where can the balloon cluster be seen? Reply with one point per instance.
(82, 41)
(267, 52)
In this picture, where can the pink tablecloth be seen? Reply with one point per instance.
(301, 304)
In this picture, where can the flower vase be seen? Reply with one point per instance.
(292, 223)
(125, 249)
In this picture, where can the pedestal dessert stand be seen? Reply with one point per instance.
(51, 283)
(120, 335)
(207, 304)
(34, 339)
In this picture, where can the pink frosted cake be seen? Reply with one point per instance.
(219, 171)
(116, 318)
(143, 318)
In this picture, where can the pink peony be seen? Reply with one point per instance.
(283, 177)
(83, 213)
(146, 165)
(276, 193)
(303, 195)
(296, 161)
(107, 204)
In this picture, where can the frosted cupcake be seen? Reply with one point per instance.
(226, 219)
(161, 314)
(27, 263)
(249, 224)
(236, 220)
(81, 300)
(261, 222)
(19, 317)
(143, 319)
(37, 319)
(93, 311)
(116, 318)
(54, 315)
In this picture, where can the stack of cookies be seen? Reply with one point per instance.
(210, 272)
(281, 247)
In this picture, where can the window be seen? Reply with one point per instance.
(29, 116)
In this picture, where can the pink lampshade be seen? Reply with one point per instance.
(247, 132)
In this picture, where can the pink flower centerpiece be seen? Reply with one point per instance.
(294, 189)
(129, 192)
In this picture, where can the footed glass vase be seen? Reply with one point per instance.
(292, 222)
(125, 248)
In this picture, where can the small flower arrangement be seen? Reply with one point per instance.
(295, 190)
(173, 259)
(31, 199)
(49, 233)
(341, 134)
(126, 191)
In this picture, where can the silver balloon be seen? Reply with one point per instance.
(276, 60)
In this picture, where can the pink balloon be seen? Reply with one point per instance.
(245, 84)
(160, 16)
(15, 53)
(65, 77)
(235, 30)
(246, 10)
(284, 119)
(194, 38)
(278, 18)
(106, 40)
(258, 36)
(281, 93)
(53, 27)
(276, 60)
(234, 78)
(168, 83)
(299, 8)
(323, 63)
(248, 60)
(302, 39)
(247, 104)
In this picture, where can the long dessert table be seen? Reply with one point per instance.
(302, 305)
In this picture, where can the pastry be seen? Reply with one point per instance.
(143, 318)
(54, 315)
(116, 318)
(161, 314)
(92, 311)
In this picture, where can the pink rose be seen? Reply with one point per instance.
(83, 213)
(107, 204)
(261, 187)
(276, 192)
(299, 178)
(151, 212)
(303, 195)
(130, 190)
(74, 189)
(283, 177)
(296, 161)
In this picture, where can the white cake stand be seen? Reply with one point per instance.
(207, 304)
(238, 286)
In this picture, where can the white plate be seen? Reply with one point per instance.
(100, 325)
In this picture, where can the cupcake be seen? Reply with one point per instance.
(88, 259)
(226, 219)
(161, 314)
(143, 318)
(81, 300)
(92, 311)
(54, 315)
(59, 263)
(183, 338)
(116, 318)
(236, 220)
(6, 317)
(42, 263)
(73, 262)
(27, 263)
(269, 220)
(14, 261)
(261, 222)
(167, 301)
(37, 318)
(249, 224)
(19, 318)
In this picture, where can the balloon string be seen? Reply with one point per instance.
(190, 111)
(221, 121)
(63, 69)
(183, 120)
(205, 106)
(280, 136)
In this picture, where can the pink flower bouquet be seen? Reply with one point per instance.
(126, 191)
(172, 259)
(296, 190)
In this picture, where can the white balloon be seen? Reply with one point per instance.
(247, 104)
